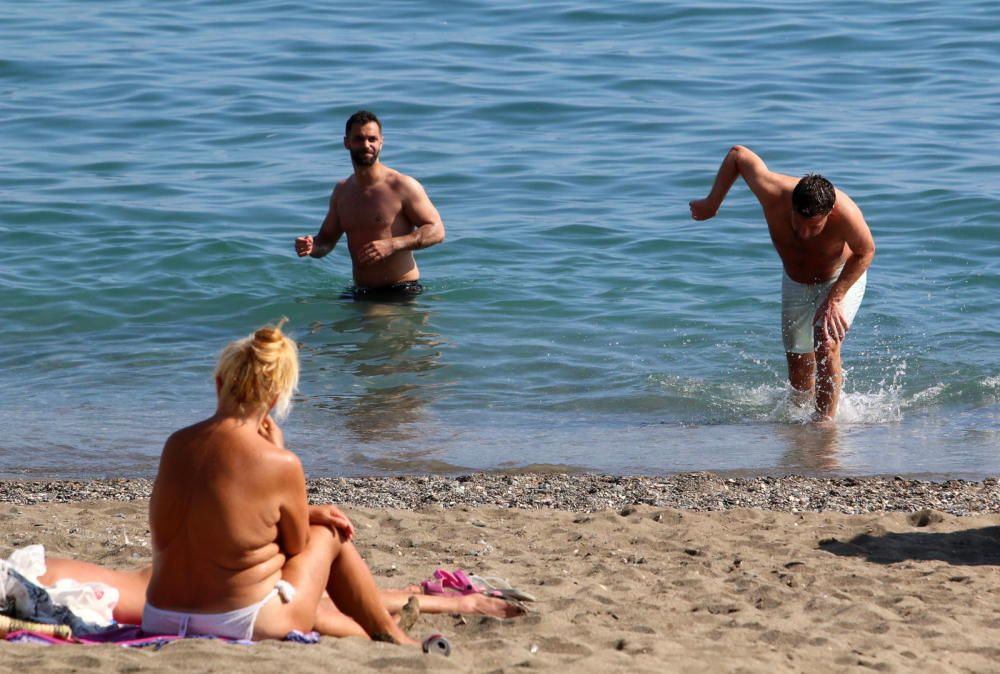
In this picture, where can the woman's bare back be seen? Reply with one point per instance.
(214, 518)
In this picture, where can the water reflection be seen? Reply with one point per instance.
(810, 447)
(378, 358)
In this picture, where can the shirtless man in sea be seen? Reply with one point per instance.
(825, 247)
(386, 216)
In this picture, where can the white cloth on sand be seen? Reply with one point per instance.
(91, 602)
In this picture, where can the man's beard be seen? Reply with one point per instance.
(359, 158)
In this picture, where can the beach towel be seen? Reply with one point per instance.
(132, 636)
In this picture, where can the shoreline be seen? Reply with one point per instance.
(586, 492)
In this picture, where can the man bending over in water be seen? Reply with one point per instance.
(826, 247)
(386, 216)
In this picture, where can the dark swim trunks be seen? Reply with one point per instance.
(395, 292)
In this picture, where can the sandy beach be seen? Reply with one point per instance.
(689, 573)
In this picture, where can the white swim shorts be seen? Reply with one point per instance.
(799, 302)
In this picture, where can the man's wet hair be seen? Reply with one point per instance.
(361, 117)
(814, 195)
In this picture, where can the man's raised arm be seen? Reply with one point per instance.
(329, 233)
(739, 161)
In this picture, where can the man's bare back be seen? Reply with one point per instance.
(815, 259)
(385, 214)
(812, 250)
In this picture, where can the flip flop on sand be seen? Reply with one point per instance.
(495, 586)
(459, 582)
(445, 583)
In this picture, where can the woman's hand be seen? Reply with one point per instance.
(330, 516)
(270, 431)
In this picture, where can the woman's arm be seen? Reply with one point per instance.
(293, 520)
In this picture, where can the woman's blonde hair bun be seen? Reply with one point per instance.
(269, 334)
(260, 369)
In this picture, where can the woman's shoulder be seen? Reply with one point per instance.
(275, 466)
(280, 457)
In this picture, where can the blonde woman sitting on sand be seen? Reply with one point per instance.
(237, 550)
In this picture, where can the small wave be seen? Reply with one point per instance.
(780, 404)
(927, 395)
(856, 407)
(877, 407)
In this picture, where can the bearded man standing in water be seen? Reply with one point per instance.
(386, 216)
(826, 247)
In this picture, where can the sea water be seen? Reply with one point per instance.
(159, 159)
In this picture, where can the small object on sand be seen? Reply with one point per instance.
(409, 613)
(8, 625)
(437, 643)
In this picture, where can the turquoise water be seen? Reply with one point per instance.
(159, 161)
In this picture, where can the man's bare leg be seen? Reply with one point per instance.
(802, 376)
(829, 379)
(130, 583)
(470, 604)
